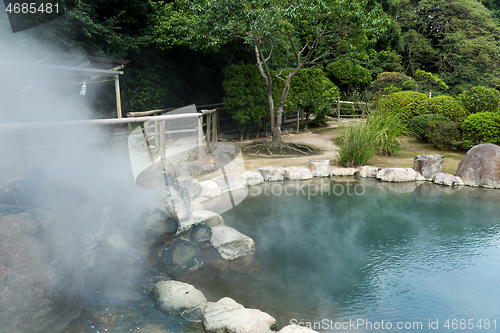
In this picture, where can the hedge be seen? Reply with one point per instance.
(445, 106)
(419, 124)
(480, 99)
(404, 103)
(482, 127)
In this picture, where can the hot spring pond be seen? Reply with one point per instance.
(427, 256)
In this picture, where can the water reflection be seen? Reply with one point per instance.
(399, 252)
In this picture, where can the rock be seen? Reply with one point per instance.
(227, 181)
(112, 249)
(297, 173)
(159, 225)
(201, 234)
(294, 328)
(210, 189)
(420, 177)
(181, 257)
(397, 175)
(190, 169)
(197, 205)
(223, 155)
(228, 316)
(191, 185)
(222, 137)
(428, 165)
(231, 243)
(208, 218)
(343, 171)
(176, 199)
(447, 179)
(319, 168)
(251, 178)
(368, 171)
(42, 285)
(481, 166)
(271, 174)
(179, 298)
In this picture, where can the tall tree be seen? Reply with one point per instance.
(286, 35)
(458, 39)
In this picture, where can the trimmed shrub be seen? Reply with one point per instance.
(444, 134)
(480, 99)
(357, 145)
(482, 127)
(418, 124)
(445, 106)
(403, 103)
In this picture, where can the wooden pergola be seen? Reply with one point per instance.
(80, 68)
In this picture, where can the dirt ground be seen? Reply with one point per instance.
(323, 140)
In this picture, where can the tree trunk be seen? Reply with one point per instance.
(241, 134)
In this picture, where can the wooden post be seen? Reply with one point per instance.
(209, 123)
(214, 127)
(338, 111)
(161, 133)
(218, 125)
(200, 136)
(118, 99)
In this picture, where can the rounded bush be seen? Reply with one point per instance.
(444, 134)
(482, 127)
(404, 103)
(480, 99)
(418, 124)
(446, 106)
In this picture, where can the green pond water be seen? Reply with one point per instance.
(415, 257)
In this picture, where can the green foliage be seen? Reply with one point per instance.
(347, 72)
(357, 145)
(426, 80)
(480, 99)
(245, 94)
(386, 128)
(404, 104)
(444, 134)
(382, 61)
(482, 127)
(446, 106)
(418, 124)
(457, 39)
(390, 82)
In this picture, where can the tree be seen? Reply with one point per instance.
(457, 39)
(286, 34)
(310, 92)
(245, 95)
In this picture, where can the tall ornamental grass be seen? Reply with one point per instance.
(386, 127)
(357, 145)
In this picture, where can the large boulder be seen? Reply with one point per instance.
(251, 178)
(178, 298)
(159, 225)
(228, 316)
(175, 198)
(397, 175)
(201, 234)
(210, 189)
(481, 166)
(319, 168)
(227, 181)
(191, 185)
(271, 174)
(297, 173)
(428, 165)
(41, 280)
(181, 257)
(231, 243)
(223, 155)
